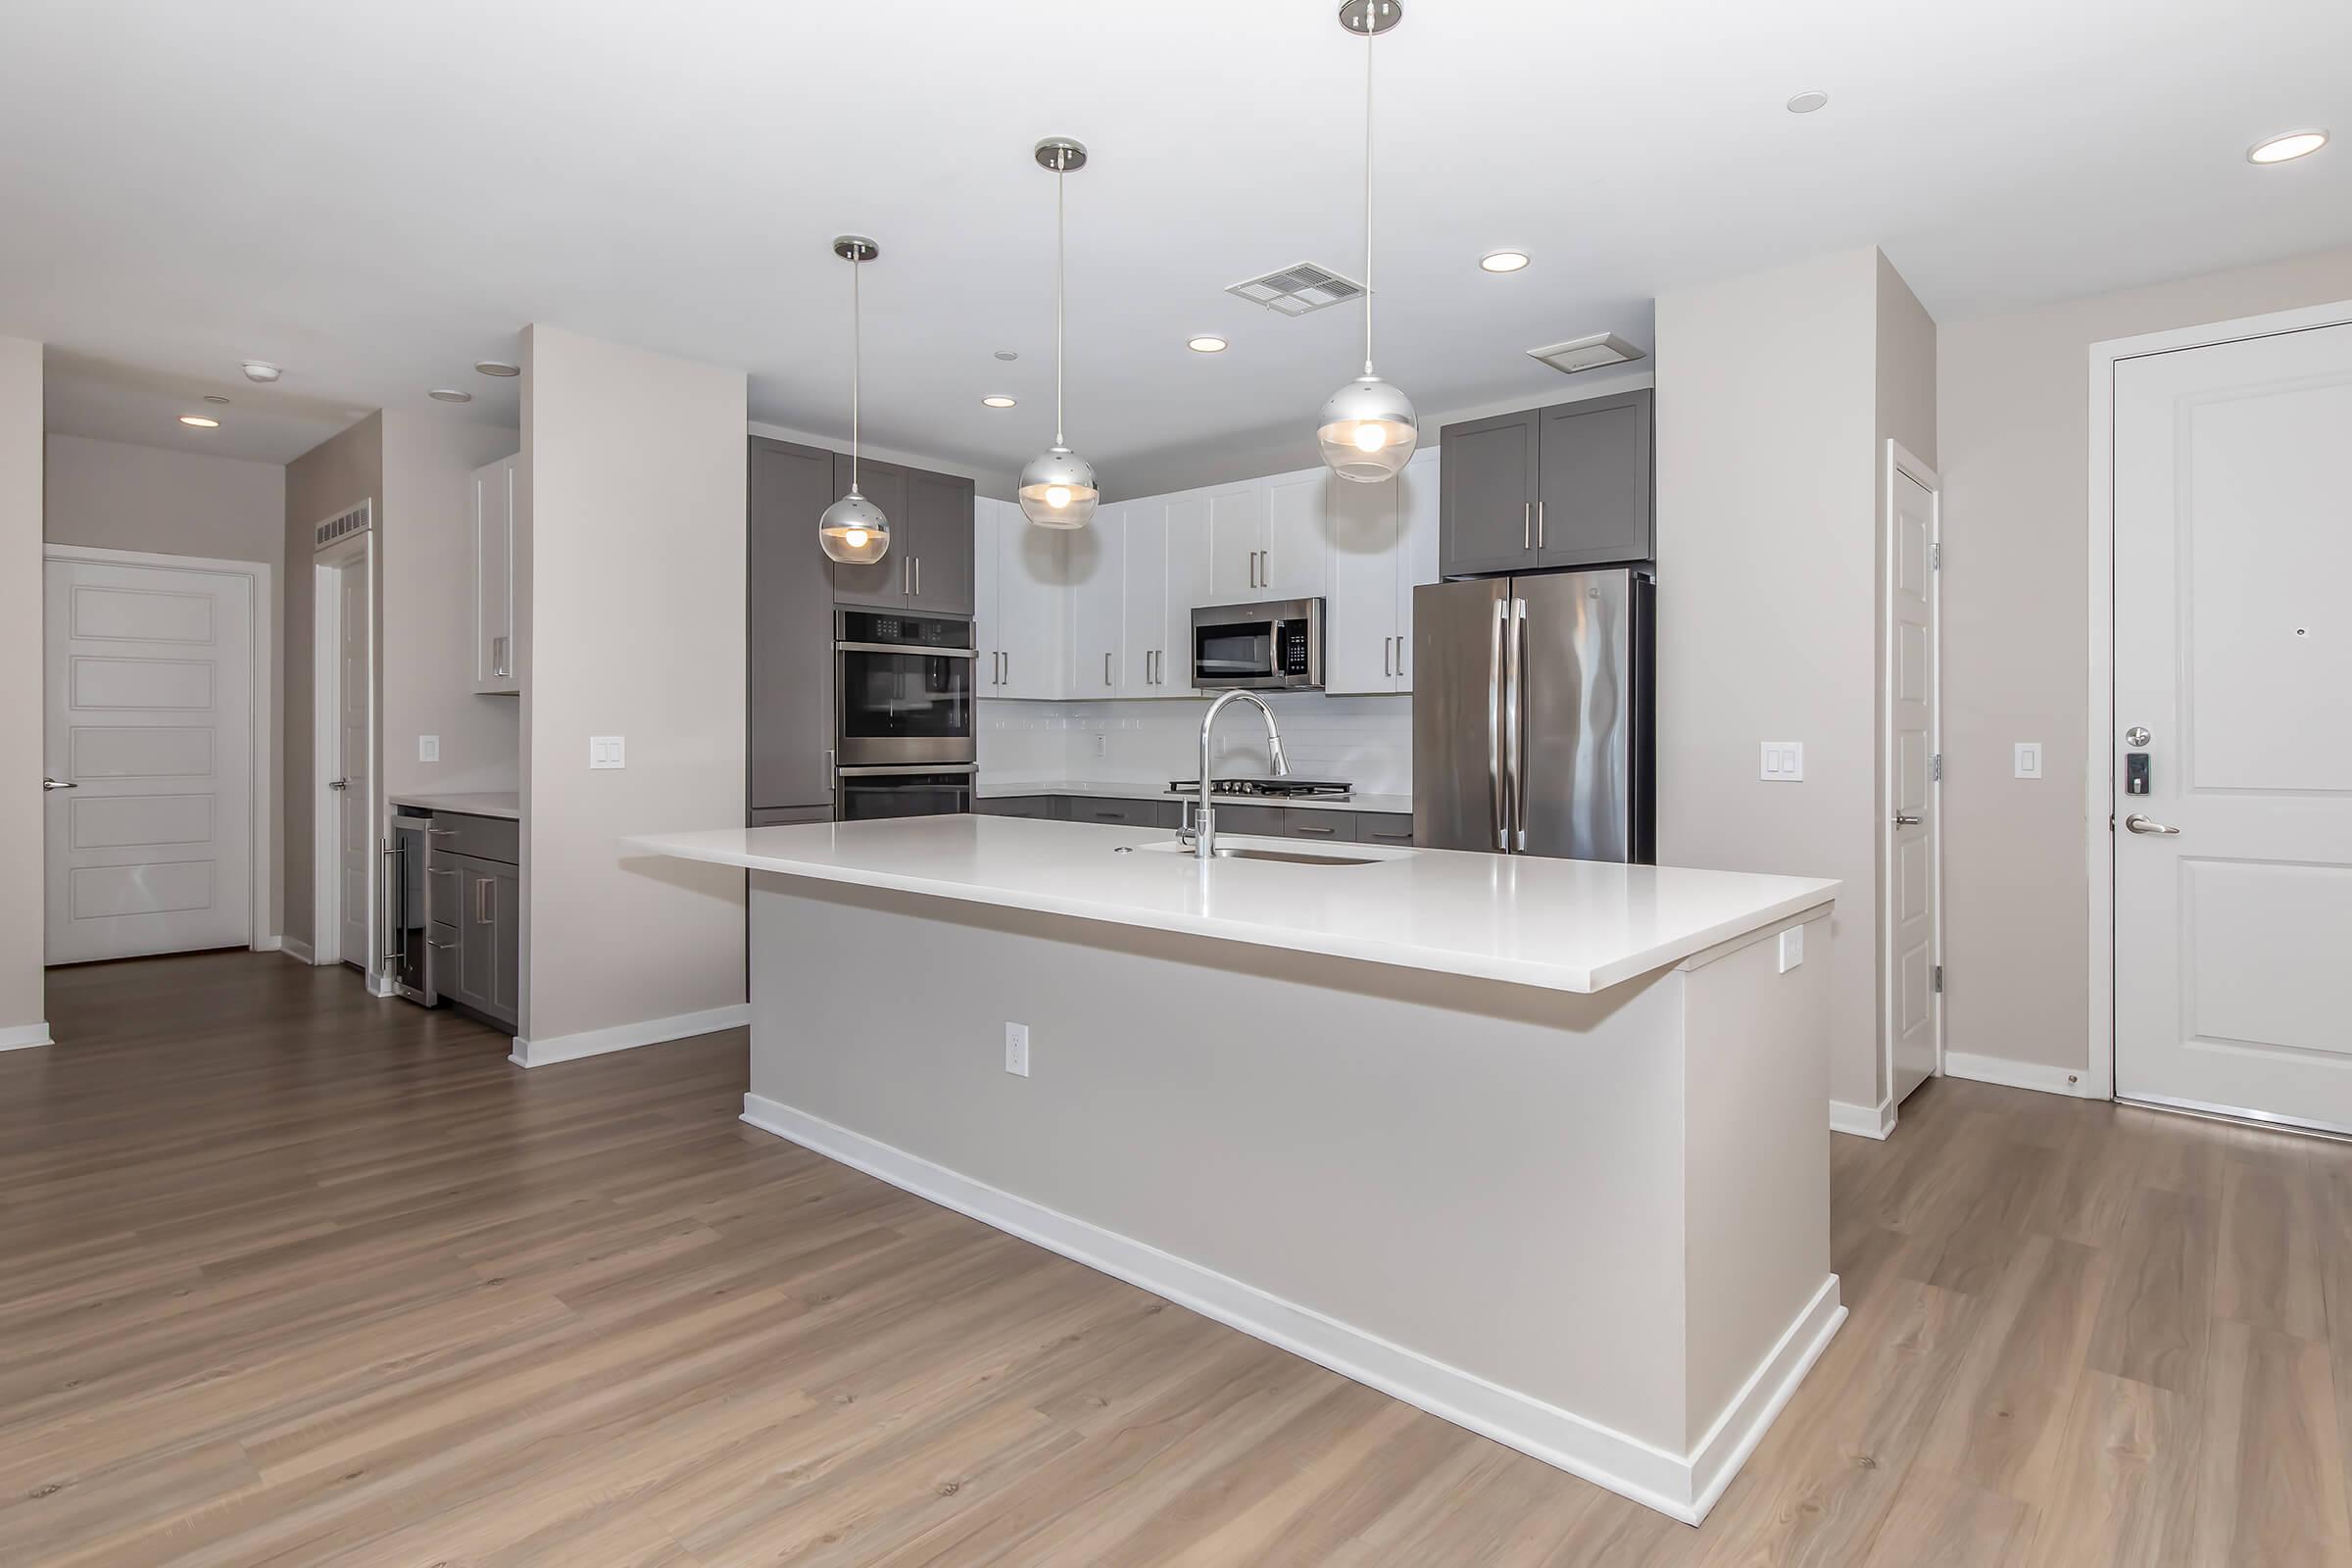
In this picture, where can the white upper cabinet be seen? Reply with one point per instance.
(1143, 622)
(1236, 537)
(1294, 551)
(1021, 602)
(1384, 543)
(1418, 513)
(496, 662)
(1191, 571)
(1097, 604)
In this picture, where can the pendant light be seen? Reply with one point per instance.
(1057, 488)
(1368, 429)
(852, 529)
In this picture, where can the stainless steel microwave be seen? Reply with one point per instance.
(1276, 645)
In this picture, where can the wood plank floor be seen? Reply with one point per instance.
(290, 1276)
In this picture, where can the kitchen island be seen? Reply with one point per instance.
(1538, 1145)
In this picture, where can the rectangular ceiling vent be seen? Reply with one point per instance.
(1299, 289)
(1588, 352)
(344, 524)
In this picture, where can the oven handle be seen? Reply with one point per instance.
(905, 648)
(902, 769)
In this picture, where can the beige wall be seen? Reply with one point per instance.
(337, 473)
(112, 495)
(21, 1010)
(634, 560)
(1774, 393)
(2015, 428)
(427, 535)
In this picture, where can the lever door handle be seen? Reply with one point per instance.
(338, 783)
(1901, 820)
(2147, 824)
(48, 784)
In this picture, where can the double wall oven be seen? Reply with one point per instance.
(903, 707)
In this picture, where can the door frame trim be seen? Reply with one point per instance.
(2098, 771)
(1901, 461)
(260, 862)
(326, 624)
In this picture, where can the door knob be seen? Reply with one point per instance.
(52, 784)
(2144, 825)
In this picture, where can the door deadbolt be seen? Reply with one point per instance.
(2137, 735)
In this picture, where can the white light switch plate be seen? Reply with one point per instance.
(428, 748)
(1017, 1050)
(1793, 948)
(2029, 758)
(1784, 762)
(608, 751)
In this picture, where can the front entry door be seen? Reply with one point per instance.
(2233, 654)
(149, 759)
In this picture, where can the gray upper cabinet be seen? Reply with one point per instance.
(1486, 494)
(1568, 485)
(1592, 502)
(791, 626)
(883, 583)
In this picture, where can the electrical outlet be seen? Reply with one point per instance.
(1793, 948)
(428, 748)
(1017, 1050)
(1101, 744)
(608, 751)
(1784, 762)
(2029, 758)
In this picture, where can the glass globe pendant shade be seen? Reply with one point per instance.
(1057, 490)
(853, 530)
(1367, 430)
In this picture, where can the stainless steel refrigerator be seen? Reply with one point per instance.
(1533, 715)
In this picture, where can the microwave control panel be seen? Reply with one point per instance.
(1292, 655)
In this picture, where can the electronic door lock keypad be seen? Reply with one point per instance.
(2135, 772)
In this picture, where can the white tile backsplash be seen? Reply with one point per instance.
(1366, 741)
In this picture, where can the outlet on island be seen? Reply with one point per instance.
(1017, 1050)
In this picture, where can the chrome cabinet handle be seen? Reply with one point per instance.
(441, 832)
(1496, 798)
(1400, 657)
(1527, 516)
(1900, 820)
(919, 576)
(1315, 830)
(1539, 525)
(498, 655)
(396, 904)
(2148, 825)
(49, 784)
(1388, 651)
(445, 947)
(1108, 677)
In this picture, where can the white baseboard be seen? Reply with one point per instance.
(382, 985)
(296, 949)
(1682, 1486)
(1863, 1121)
(2022, 1075)
(628, 1036)
(25, 1035)
(270, 944)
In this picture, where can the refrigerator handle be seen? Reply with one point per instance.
(1519, 724)
(1496, 800)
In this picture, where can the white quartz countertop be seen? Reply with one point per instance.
(1566, 925)
(994, 788)
(488, 802)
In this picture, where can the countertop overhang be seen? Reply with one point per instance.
(1562, 925)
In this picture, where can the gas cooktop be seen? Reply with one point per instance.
(1280, 788)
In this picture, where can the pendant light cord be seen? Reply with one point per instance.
(1368, 38)
(1062, 267)
(857, 354)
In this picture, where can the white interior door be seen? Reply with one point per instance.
(1911, 897)
(2233, 651)
(355, 844)
(149, 733)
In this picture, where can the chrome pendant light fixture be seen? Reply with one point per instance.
(852, 529)
(1368, 428)
(1057, 488)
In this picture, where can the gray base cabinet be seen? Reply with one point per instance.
(473, 903)
(1566, 485)
(1265, 821)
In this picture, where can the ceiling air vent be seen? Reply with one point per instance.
(344, 524)
(1588, 352)
(1297, 289)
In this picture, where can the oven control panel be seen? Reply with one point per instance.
(905, 631)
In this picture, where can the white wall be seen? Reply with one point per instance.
(1767, 409)
(21, 1010)
(426, 536)
(632, 567)
(2014, 398)
(112, 495)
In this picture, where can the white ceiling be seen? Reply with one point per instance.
(377, 196)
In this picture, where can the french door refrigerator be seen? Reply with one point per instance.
(1533, 715)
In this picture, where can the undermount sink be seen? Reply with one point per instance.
(1243, 847)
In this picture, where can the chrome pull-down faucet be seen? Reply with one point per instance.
(1203, 833)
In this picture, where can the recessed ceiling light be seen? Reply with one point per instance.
(497, 368)
(997, 400)
(450, 394)
(261, 371)
(2279, 149)
(1804, 103)
(1205, 344)
(1007, 355)
(1504, 261)
(202, 421)
(213, 396)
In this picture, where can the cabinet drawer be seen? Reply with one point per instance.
(1262, 819)
(485, 838)
(444, 966)
(789, 816)
(1384, 827)
(1125, 814)
(1309, 823)
(445, 888)
(1037, 806)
